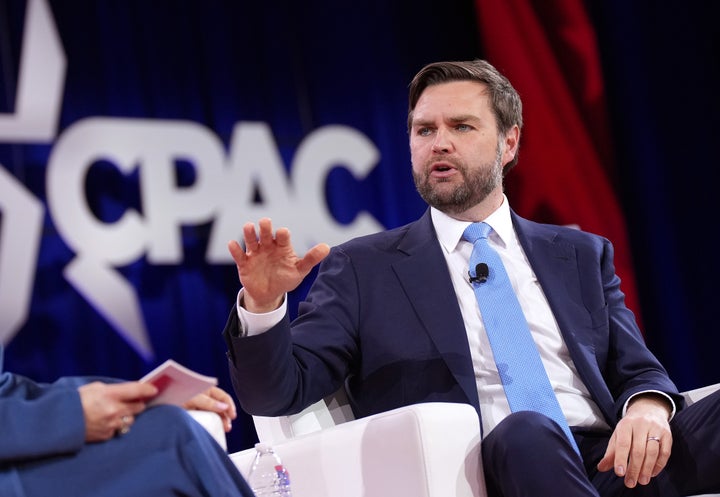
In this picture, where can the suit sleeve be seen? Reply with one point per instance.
(287, 368)
(39, 420)
(630, 367)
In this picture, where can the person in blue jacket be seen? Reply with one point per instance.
(83, 436)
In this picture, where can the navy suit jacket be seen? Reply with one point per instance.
(382, 316)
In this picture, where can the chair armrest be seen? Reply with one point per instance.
(212, 422)
(699, 393)
(423, 450)
(326, 413)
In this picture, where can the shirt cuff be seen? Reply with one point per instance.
(669, 399)
(254, 324)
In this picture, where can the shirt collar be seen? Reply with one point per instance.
(449, 230)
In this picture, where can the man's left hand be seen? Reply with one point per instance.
(641, 443)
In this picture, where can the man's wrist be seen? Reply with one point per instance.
(252, 323)
(654, 397)
(251, 305)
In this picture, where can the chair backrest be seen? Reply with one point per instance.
(330, 411)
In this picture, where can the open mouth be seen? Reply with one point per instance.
(442, 169)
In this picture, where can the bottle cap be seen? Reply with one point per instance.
(263, 447)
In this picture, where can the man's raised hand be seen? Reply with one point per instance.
(268, 267)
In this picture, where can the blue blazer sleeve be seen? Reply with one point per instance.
(38, 420)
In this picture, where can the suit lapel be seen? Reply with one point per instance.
(424, 276)
(554, 262)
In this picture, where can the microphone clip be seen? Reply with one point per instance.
(481, 273)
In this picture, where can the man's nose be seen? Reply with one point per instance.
(442, 143)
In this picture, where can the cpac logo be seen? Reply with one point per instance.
(223, 190)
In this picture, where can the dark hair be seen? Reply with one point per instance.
(505, 101)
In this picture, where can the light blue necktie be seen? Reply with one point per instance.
(522, 373)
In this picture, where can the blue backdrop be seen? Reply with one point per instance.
(205, 68)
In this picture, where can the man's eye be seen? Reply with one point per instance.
(463, 127)
(424, 131)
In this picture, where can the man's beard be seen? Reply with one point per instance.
(478, 184)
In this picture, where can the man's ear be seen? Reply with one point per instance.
(511, 140)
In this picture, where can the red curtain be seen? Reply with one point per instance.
(548, 51)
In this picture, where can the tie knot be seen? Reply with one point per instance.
(476, 231)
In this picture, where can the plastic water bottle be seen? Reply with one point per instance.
(268, 477)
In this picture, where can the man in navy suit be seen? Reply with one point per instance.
(392, 317)
(86, 437)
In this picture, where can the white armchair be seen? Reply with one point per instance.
(213, 423)
(406, 451)
(423, 450)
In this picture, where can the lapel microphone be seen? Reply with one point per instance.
(481, 273)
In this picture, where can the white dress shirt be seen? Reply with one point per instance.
(573, 396)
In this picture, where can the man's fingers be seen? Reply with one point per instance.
(250, 237)
(640, 446)
(313, 257)
(610, 459)
(268, 266)
(266, 233)
(663, 456)
(648, 456)
(623, 444)
(282, 237)
(637, 462)
(605, 464)
(652, 451)
(237, 252)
